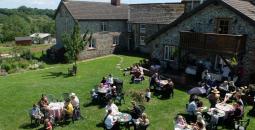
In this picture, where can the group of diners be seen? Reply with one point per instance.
(109, 88)
(221, 111)
(50, 113)
(165, 88)
(135, 117)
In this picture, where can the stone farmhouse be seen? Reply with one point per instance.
(107, 22)
(115, 26)
(216, 30)
(147, 19)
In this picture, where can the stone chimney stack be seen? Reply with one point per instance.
(191, 4)
(115, 2)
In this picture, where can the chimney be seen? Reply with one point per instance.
(191, 4)
(115, 2)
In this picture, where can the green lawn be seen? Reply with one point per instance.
(20, 91)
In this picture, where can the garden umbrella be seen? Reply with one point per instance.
(197, 91)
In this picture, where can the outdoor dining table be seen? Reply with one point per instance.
(218, 112)
(102, 90)
(227, 108)
(123, 119)
(56, 109)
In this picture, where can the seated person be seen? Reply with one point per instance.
(47, 124)
(168, 89)
(103, 81)
(68, 109)
(142, 122)
(224, 88)
(238, 110)
(239, 99)
(200, 123)
(110, 79)
(114, 92)
(232, 87)
(214, 97)
(111, 106)
(43, 104)
(110, 122)
(36, 113)
(75, 100)
(76, 105)
(180, 123)
(136, 111)
(192, 107)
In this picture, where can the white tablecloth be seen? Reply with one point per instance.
(56, 109)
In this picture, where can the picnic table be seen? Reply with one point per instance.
(56, 109)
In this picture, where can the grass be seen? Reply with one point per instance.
(20, 91)
(37, 49)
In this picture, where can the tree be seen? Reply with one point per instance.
(75, 43)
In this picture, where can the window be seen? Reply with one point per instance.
(129, 27)
(103, 26)
(142, 28)
(142, 40)
(116, 40)
(223, 26)
(169, 53)
(92, 44)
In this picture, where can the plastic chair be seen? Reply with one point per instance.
(36, 121)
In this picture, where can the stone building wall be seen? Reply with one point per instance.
(150, 30)
(204, 21)
(104, 39)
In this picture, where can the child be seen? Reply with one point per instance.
(47, 124)
(148, 95)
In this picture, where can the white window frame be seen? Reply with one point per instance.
(115, 40)
(92, 44)
(142, 38)
(169, 51)
(142, 28)
(103, 26)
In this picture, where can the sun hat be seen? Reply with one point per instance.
(215, 91)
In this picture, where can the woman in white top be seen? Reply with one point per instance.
(111, 106)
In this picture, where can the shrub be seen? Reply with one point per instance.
(23, 64)
(27, 54)
(6, 66)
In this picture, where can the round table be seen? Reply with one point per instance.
(102, 90)
(123, 117)
(218, 112)
(56, 109)
(224, 107)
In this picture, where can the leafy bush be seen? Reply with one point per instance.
(27, 54)
(6, 66)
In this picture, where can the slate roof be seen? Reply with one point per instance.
(156, 13)
(84, 10)
(243, 8)
(22, 38)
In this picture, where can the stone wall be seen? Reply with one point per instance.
(64, 24)
(205, 22)
(150, 30)
(104, 39)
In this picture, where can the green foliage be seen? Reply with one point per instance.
(27, 54)
(1, 38)
(25, 21)
(74, 44)
(15, 26)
